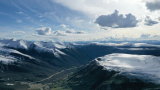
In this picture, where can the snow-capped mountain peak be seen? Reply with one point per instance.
(8, 46)
(145, 67)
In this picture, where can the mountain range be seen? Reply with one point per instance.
(28, 62)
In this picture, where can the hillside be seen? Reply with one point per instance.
(118, 72)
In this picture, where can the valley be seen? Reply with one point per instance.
(52, 65)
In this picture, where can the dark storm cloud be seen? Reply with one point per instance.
(116, 20)
(153, 6)
(149, 21)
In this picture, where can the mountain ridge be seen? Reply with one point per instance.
(32, 61)
(108, 73)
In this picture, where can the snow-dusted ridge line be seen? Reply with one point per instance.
(53, 47)
(40, 46)
(145, 67)
(127, 44)
(50, 46)
(26, 44)
(113, 44)
(6, 58)
(8, 46)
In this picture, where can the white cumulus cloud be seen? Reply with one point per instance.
(60, 33)
(70, 30)
(44, 31)
(116, 20)
(153, 5)
(149, 21)
(64, 32)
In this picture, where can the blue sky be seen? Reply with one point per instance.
(37, 13)
(72, 20)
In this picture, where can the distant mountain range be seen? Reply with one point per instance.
(31, 61)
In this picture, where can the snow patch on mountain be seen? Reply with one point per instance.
(145, 67)
(52, 47)
(7, 59)
(13, 43)
(13, 46)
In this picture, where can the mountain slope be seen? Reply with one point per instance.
(31, 61)
(118, 71)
